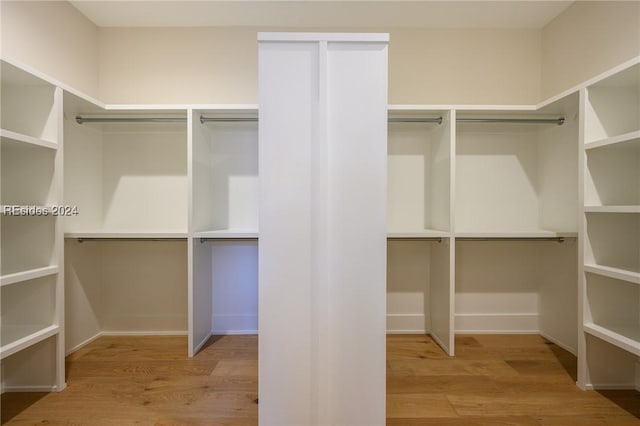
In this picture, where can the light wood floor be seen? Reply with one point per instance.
(493, 380)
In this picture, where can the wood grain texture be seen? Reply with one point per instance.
(494, 380)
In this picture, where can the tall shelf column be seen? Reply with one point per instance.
(322, 251)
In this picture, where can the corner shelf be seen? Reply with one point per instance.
(28, 275)
(616, 273)
(36, 335)
(621, 336)
(612, 209)
(627, 137)
(19, 138)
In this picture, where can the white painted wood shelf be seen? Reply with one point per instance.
(17, 338)
(31, 274)
(235, 234)
(418, 234)
(626, 337)
(612, 209)
(633, 137)
(11, 137)
(517, 234)
(616, 273)
(126, 235)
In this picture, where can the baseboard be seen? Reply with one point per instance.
(496, 324)
(145, 333)
(233, 332)
(234, 324)
(200, 345)
(611, 386)
(83, 344)
(124, 333)
(406, 324)
(29, 389)
(557, 342)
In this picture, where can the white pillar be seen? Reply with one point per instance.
(323, 177)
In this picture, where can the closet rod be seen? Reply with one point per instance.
(82, 120)
(206, 239)
(204, 119)
(415, 120)
(82, 240)
(437, 239)
(556, 239)
(558, 121)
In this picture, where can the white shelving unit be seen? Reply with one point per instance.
(420, 149)
(515, 187)
(610, 282)
(223, 282)
(126, 263)
(31, 283)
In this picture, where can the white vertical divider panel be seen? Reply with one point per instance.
(199, 264)
(322, 251)
(443, 254)
(583, 372)
(59, 242)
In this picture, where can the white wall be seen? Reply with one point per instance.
(54, 38)
(587, 39)
(219, 65)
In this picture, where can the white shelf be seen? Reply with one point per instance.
(612, 209)
(625, 337)
(28, 275)
(126, 235)
(418, 234)
(517, 234)
(32, 334)
(8, 135)
(627, 137)
(616, 273)
(228, 234)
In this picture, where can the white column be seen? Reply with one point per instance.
(323, 149)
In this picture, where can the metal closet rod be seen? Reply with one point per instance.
(211, 239)
(556, 239)
(559, 121)
(81, 120)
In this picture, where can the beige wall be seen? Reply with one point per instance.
(587, 39)
(54, 38)
(219, 65)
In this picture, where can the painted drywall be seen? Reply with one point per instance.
(54, 38)
(587, 39)
(219, 65)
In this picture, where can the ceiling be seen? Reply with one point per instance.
(322, 13)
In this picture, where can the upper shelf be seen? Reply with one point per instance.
(16, 139)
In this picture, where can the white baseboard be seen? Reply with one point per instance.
(82, 344)
(125, 333)
(557, 342)
(200, 345)
(496, 324)
(611, 386)
(145, 333)
(234, 324)
(233, 332)
(406, 324)
(29, 389)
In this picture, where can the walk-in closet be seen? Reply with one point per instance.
(320, 213)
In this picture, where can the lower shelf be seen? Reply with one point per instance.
(22, 337)
(28, 275)
(625, 337)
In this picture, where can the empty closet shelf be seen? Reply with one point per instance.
(17, 338)
(625, 337)
(30, 274)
